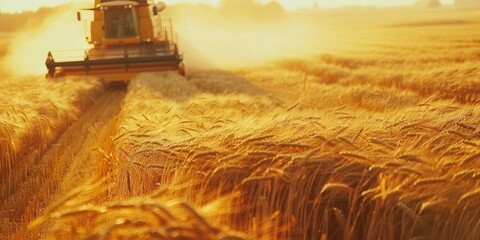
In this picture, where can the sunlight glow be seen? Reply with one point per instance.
(18, 6)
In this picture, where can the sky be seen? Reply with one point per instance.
(21, 5)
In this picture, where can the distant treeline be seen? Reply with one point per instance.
(10, 22)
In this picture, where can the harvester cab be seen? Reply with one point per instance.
(127, 38)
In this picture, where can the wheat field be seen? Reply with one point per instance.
(376, 137)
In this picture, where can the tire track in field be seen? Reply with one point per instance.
(76, 157)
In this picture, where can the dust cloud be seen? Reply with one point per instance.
(240, 33)
(29, 46)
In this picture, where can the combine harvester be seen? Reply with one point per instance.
(127, 37)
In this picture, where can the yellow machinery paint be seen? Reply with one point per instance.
(128, 38)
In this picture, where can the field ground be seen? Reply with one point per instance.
(376, 139)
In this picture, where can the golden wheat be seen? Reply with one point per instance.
(377, 140)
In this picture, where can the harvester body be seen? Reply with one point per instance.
(127, 37)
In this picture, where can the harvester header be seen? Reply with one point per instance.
(127, 38)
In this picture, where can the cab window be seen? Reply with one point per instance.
(120, 23)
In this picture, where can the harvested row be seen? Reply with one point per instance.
(77, 158)
(33, 114)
